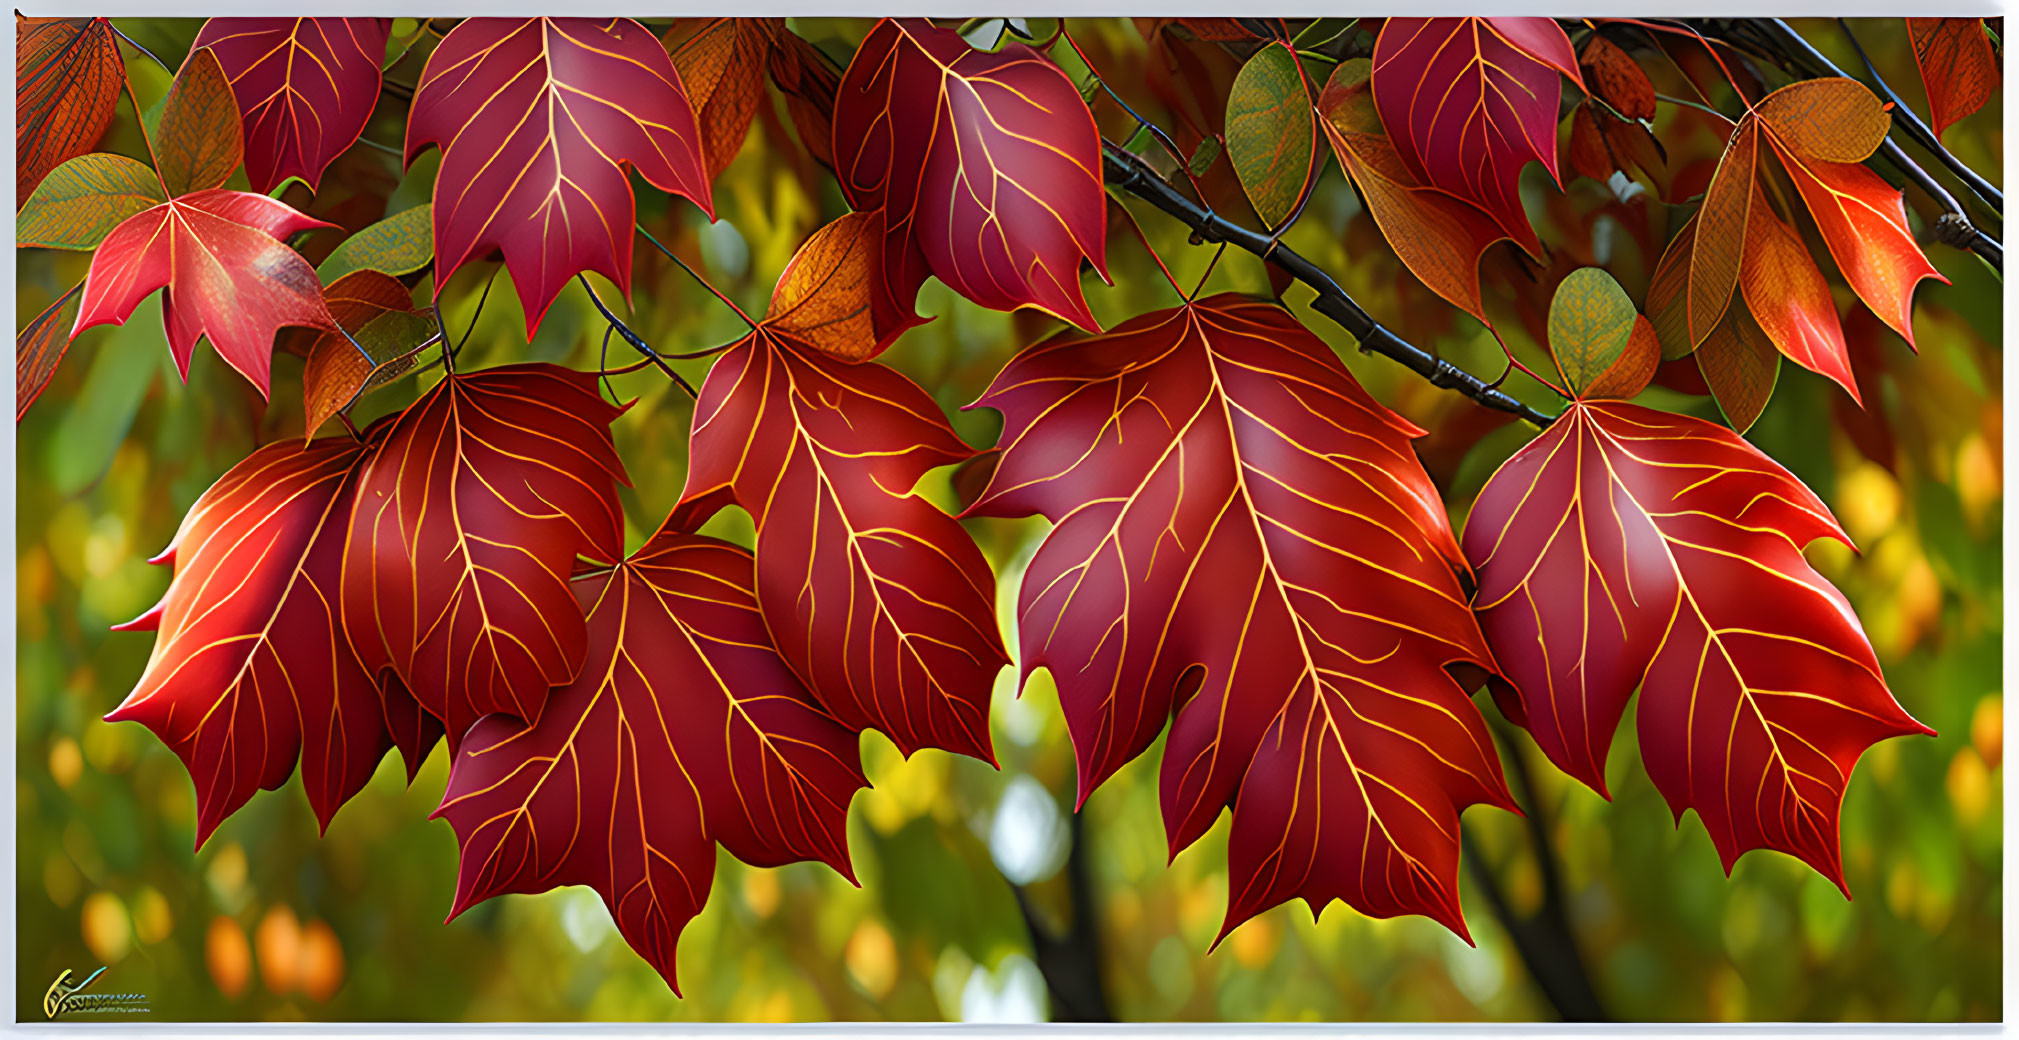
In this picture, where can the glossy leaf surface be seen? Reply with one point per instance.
(305, 88)
(1628, 547)
(1438, 236)
(250, 671)
(1247, 547)
(987, 167)
(1470, 101)
(219, 256)
(684, 730)
(539, 119)
(469, 518)
(879, 600)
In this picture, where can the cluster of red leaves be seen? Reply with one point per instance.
(1247, 547)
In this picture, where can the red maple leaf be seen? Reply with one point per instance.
(538, 119)
(987, 167)
(879, 600)
(251, 670)
(1247, 547)
(227, 273)
(1629, 547)
(469, 517)
(1470, 101)
(305, 88)
(685, 729)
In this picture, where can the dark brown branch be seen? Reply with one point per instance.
(1070, 959)
(1127, 172)
(1546, 942)
(1779, 41)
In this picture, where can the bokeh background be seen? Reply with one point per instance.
(270, 921)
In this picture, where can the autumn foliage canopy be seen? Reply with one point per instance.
(1247, 555)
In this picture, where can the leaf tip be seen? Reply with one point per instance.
(147, 622)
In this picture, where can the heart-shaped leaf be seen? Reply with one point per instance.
(305, 88)
(987, 167)
(539, 119)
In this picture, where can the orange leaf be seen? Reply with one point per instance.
(1616, 79)
(1721, 233)
(722, 66)
(1739, 364)
(1787, 295)
(829, 298)
(1633, 370)
(39, 349)
(337, 371)
(1956, 64)
(809, 82)
(67, 73)
(1864, 222)
(1588, 155)
(198, 143)
(1438, 236)
(1835, 119)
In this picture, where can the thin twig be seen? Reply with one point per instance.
(637, 342)
(1127, 172)
(138, 47)
(705, 284)
(1955, 227)
(1909, 120)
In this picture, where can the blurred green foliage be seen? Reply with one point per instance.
(269, 921)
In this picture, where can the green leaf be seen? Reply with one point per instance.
(1203, 157)
(398, 245)
(1272, 132)
(81, 201)
(1590, 323)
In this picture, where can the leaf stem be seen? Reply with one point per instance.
(637, 342)
(1129, 173)
(138, 47)
(712, 290)
(1955, 227)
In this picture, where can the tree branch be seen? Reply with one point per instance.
(1787, 47)
(1070, 961)
(1546, 942)
(1127, 172)
(637, 342)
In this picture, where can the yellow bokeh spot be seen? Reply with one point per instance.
(1969, 785)
(1900, 890)
(901, 789)
(228, 956)
(1256, 941)
(66, 762)
(108, 932)
(1977, 481)
(1987, 729)
(1868, 501)
(227, 872)
(872, 959)
(760, 892)
(152, 920)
